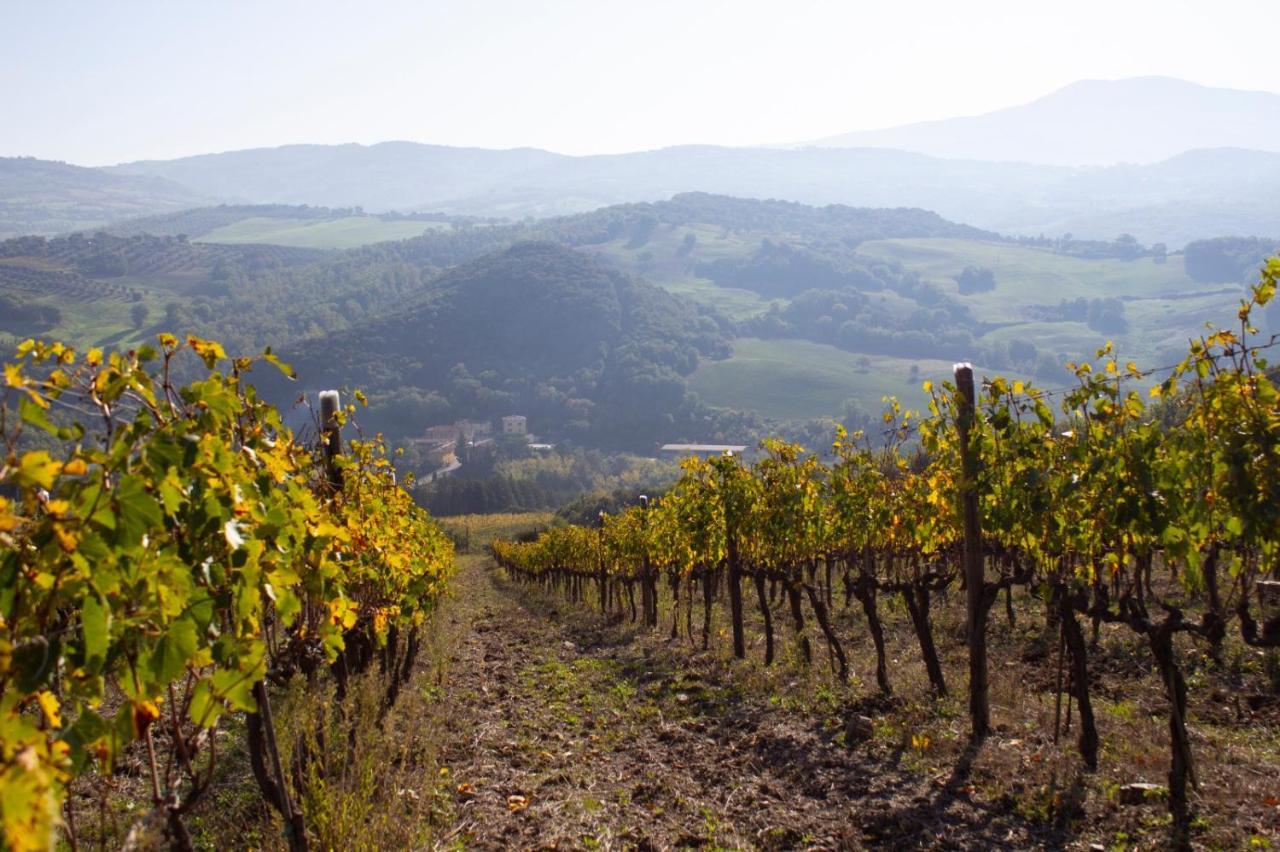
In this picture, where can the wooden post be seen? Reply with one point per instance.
(600, 565)
(331, 436)
(974, 574)
(648, 583)
(735, 569)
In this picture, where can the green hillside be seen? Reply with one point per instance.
(800, 379)
(790, 379)
(47, 197)
(538, 329)
(1028, 276)
(341, 233)
(827, 304)
(1162, 305)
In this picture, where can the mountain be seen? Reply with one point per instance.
(386, 176)
(1164, 160)
(1094, 122)
(517, 183)
(1193, 195)
(47, 197)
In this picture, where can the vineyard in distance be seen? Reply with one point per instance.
(1025, 617)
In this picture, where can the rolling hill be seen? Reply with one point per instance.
(1172, 201)
(775, 307)
(1094, 122)
(536, 328)
(1164, 160)
(45, 197)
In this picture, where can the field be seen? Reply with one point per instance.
(348, 232)
(1026, 276)
(797, 379)
(91, 315)
(103, 323)
(1162, 304)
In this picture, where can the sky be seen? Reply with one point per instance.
(95, 83)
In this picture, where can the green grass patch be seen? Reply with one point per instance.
(348, 232)
(796, 379)
(1031, 275)
(1163, 305)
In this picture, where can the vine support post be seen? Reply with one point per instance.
(734, 568)
(601, 574)
(648, 576)
(331, 436)
(974, 574)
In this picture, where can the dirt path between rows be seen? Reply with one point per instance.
(560, 730)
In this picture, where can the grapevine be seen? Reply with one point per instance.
(176, 553)
(1081, 502)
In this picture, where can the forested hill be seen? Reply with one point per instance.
(250, 296)
(848, 225)
(834, 224)
(536, 328)
(823, 306)
(46, 197)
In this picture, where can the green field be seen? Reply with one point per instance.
(1163, 305)
(1031, 276)
(102, 322)
(347, 232)
(796, 379)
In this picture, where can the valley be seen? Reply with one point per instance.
(640, 427)
(801, 313)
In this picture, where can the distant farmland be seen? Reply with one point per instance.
(347, 232)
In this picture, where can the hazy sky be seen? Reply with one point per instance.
(105, 82)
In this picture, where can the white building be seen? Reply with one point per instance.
(514, 424)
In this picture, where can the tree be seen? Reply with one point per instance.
(1107, 316)
(138, 313)
(1022, 354)
(976, 279)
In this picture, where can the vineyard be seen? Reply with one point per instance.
(173, 560)
(1101, 504)
(106, 256)
(182, 580)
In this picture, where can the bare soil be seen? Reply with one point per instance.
(566, 731)
(535, 723)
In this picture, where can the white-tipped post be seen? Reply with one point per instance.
(331, 435)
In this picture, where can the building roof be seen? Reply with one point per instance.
(703, 448)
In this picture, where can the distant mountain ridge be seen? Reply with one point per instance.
(1203, 162)
(383, 176)
(1094, 122)
(1193, 195)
